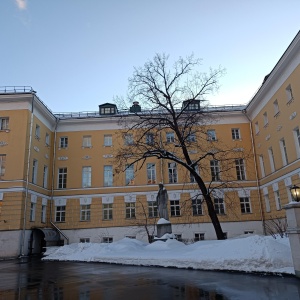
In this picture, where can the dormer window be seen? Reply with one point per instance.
(191, 105)
(107, 109)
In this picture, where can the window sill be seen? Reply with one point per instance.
(5, 130)
(107, 219)
(85, 220)
(62, 148)
(89, 147)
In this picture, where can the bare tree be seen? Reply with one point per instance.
(173, 101)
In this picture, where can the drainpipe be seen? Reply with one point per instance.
(244, 111)
(22, 246)
(53, 171)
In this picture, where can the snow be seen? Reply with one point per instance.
(163, 221)
(248, 253)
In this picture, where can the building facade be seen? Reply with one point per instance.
(59, 180)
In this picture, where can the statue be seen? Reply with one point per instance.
(162, 202)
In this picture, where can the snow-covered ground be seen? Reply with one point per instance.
(249, 253)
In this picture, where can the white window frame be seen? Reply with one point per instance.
(60, 213)
(2, 164)
(85, 212)
(276, 108)
(107, 239)
(240, 169)
(215, 170)
(199, 236)
(87, 141)
(289, 94)
(296, 133)
(62, 178)
(86, 176)
(197, 206)
(84, 240)
(170, 137)
(128, 139)
(63, 142)
(219, 205)
(47, 139)
(43, 213)
(267, 202)
(107, 211)
(172, 172)
(129, 175)
(151, 173)
(271, 159)
(211, 135)
(191, 138)
(256, 128)
(266, 120)
(152, 209)
(175, 208)
(32, 211)
(235, 134)
(277, 200)
(262, 165)
(4, 123)
(107, 140)
(130, 210)
(37, 131)
(45, 176)
(245, 205)
(35, 165)
(283, 150)
(150, 138)
(108, 175)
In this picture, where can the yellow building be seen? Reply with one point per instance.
(59, 180)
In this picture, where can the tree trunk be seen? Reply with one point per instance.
(214, 218)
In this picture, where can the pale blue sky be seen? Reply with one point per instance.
(78, 54)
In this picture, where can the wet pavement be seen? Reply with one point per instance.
(35, 279)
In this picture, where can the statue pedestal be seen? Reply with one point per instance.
(164, 227)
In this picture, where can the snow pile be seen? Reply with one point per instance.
(248, 253)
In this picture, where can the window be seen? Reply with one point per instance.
(262, 166)
(86, 177)
(172, 171)
(277, 200)
(248, 231)
(192, 178)
(289, 94)
(107, 239)
(150, 139)
(225, 235)
(60, 214)
(267, 202)
(2, 164)
(34, 171)
(235, 133)
(240, 169)
(271, 158)
(32, 211)
(191, 138)
(107, 210)
(84, 240)
(256, 128)
(151, 174)
(211, 135)
(283, 152)
(86, 141)
(130, 210)
(63, 142)
(178, 237)
(129, 175)
(37, 131)
(108, 140)
(199, 237)
(197, 207)
(175, 208)
(245, 205)
(85, 212)
(152, 209)
(43, 214)
(266, 120)
(170, 137)
(4, 122)
(219, 206)
(133, 237)
(297, 140)
(47, 139)
(276, 108)
(62, 178)
(128, 139)
(45, 177)
(215, 170)
(108, 176)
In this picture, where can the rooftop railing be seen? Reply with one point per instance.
(16, 89)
